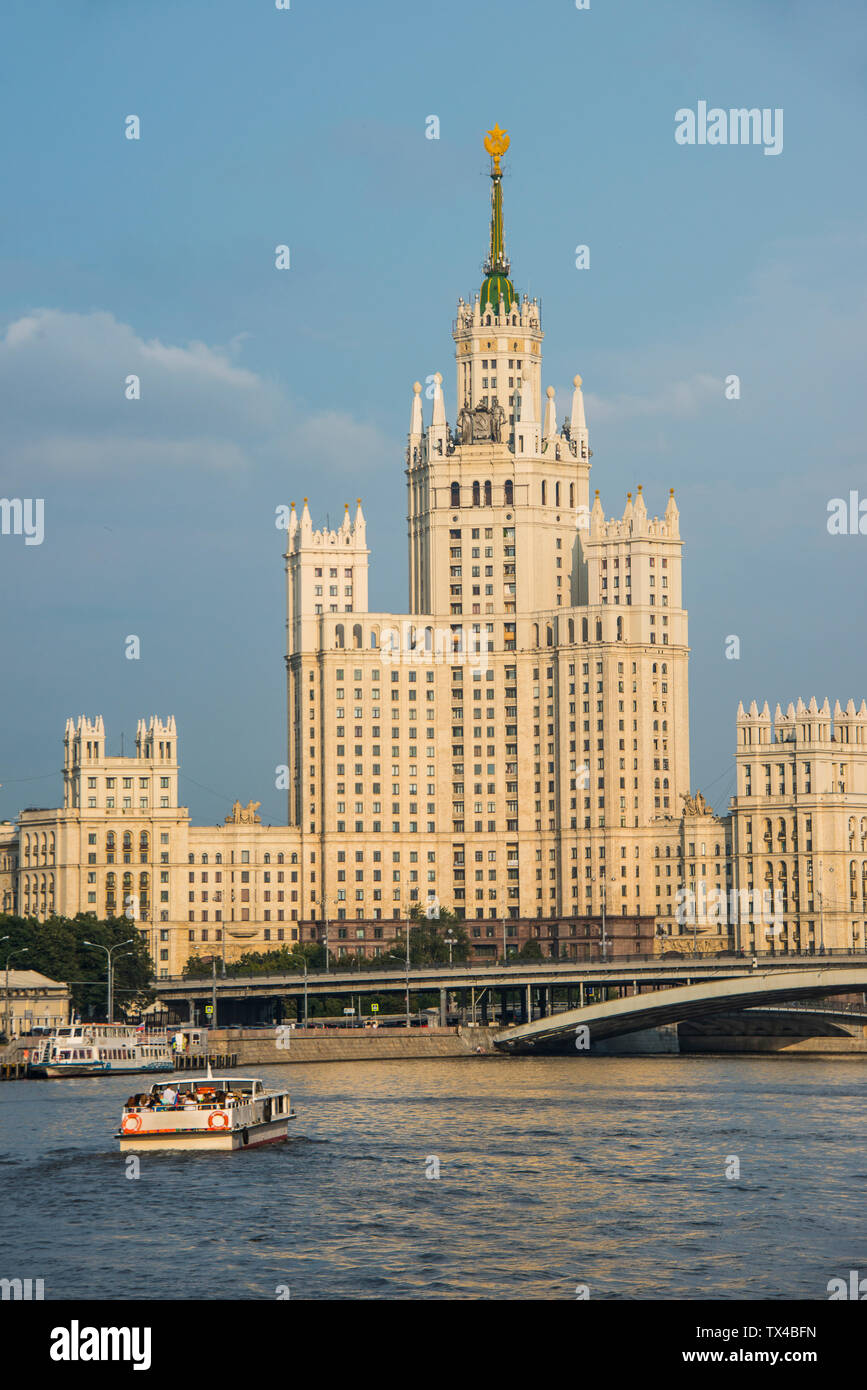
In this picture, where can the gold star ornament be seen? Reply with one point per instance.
(496, 144)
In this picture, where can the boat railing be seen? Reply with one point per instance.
(199, 1105)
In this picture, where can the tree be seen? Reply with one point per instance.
(427, 944)
(531, 950)
(56, 948)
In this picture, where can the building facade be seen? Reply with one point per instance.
(31, 1000)
(799, 824)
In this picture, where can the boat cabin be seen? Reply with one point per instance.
(213, 1093)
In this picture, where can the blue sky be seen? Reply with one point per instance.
(307, 127)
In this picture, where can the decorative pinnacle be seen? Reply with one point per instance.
(496, 144)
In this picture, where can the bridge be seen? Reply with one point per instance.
(530, 991)
(653, 1009)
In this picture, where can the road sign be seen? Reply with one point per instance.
(349, 1011)
(374, 1008)
(209, 1008)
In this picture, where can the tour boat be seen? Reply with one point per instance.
(88, 1049)
(225, 1112)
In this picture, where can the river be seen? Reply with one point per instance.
(554, 1173)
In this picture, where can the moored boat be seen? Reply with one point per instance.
(218, 1113)
(89, 1049)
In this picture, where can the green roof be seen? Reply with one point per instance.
(494, 288)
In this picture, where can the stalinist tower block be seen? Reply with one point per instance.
(516, 744)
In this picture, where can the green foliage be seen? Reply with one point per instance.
(531, 950)
(286, 960)
(56, 948)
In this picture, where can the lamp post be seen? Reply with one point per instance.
(20, 951)
(822, 905)
(407, 997)
(450, 942)
(108, 951)
(601, 879)
(325, 906)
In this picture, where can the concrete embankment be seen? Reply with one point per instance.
(261, 1046)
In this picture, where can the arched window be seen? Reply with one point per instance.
(535, 634)
(620, 629)
(294, 858)
(267, 858)
(477, 496)
(571, 494)
(373, 639)
(218, 858)
(456, 494)
(191, 859)
(110, 842)
(508, 493)
(585, 630)
(556, 494)
(544, 493)
(127, 841)
(571, 630)
(339, 640)
(598, 629)
(488, 502)
(549, 635)
(356, 635)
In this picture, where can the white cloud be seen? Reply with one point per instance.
(65, 413)
(675, 399)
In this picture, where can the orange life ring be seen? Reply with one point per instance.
(218, 1120)
(131, 1124)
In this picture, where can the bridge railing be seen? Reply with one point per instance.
(382, 965)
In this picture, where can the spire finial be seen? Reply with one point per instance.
(496, 144)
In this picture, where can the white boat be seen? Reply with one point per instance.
(88, 1049)
(226, 1112)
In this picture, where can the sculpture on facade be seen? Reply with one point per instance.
(244, 815)
(481, 423)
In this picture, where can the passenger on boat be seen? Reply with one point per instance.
(169, 1096)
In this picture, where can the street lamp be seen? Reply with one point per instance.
(407, 1000)
(20, 951)
(822, 905)
(326, 903)
(602, 880)
(108, 951)
(450, 942)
